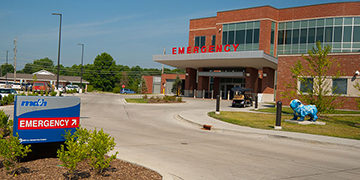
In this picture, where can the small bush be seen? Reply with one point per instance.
(116, 89)
(145, 96)
(11, 151)
(179, 99)
(6, 100)
(53, 93)
(5, 125)
(90, 88)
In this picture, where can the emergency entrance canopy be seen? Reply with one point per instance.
(40, 119)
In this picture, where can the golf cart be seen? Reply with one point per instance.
(242, 97)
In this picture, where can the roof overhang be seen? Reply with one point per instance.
(255, 59)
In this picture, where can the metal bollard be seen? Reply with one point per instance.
(194, 93)
(278, 115)
(256, 102)
(203, 96)
(217, 104)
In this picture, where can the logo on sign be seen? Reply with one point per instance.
(39, 102)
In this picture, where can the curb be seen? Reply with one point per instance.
(350, 143)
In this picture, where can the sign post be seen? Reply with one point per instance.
(39, 119)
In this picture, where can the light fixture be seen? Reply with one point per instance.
(357, 72)
(247, 74)
(264, 74)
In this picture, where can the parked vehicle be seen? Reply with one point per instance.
(16, 86)
(126, 91)
(242, 97)
(6, 91)
(40, 86)
(26, 86)
(72, 87)
(61, 88)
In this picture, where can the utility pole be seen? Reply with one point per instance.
(15, 50)
(6, 64)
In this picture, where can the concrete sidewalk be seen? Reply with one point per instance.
(198, 118)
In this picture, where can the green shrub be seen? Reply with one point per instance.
(100, 144)
(76, 149)
(6, 100)
(116, 89)
(41, 93)
(4, 124)
(53, 93)
(90, 88)
(179, 99)
(46, 93)
(11, 151)
(145, 96)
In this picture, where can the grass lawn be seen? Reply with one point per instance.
(136, 100)
(337, 126)
(288, 110)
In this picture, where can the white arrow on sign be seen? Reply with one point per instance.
(73, 122)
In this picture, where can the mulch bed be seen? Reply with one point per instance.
(50, 168)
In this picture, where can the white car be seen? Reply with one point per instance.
(16, 86)
(72, 87)
(61, 88)
(6, 91)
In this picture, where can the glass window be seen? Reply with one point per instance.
(257, 24)
(348, 21)
(339, 86)
(338, 21)
(303, 35)
(356, 34)
(225, 27)
(231, 37)
(329, 22)
(304, 24)
(231, 27)
(240, 37)
(202, 41)
(224, 41)
(295, 36)
(320, 22)
(288, 37)
(306, 86)
(281, 26)
(337, 34)
(197, 41)
(249, 25)
(356, 20)
(256, 35)
(320, 34)
(213, 40)
(312, 23)
(296, 24)
(288, 25)
(347, 34)
(272, 39)
(240, 26)
(249, 35)
(311, 37)
(281, 34)
(328, 34)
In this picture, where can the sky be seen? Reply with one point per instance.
(130, 31)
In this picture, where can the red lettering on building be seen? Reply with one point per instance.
(181, 50)
(196, 49)
(235, 46)
(211, 48)
(188, 50)
(227, 48)
(174, 50)
(219, 48)
(203, 49)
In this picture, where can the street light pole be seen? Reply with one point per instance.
(58, 68)
(82, 59)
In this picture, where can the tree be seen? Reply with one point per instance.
(39, 64)
(313, 76)
(143, 86)
(7, 68)
(176, 88)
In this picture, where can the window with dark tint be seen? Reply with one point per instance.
(224, 40)
(356, 37)
(303, 36)
(213, 40)
(328, 34)
(202, 41)
(249, 35)
(320, 34)
(231, 37)
(306, 85)
(240, 37)
(288, 37)
(311, 38)
(337, 34)
(281, 37)
(339, 86)
(256, 36)
(295, 36)
(197, 41)
(347, 34)
(272, 37)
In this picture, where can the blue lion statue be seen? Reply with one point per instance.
(301, 110)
